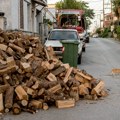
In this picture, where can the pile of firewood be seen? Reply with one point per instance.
(32, 78)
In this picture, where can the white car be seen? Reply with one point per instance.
(57, 35)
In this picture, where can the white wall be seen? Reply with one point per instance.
(5, 6)
(15, 14)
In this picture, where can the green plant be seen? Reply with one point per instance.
(105, 33)
(118, 31)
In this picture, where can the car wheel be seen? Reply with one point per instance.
(79, 58)
(83, 49)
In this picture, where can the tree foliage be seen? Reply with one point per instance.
(116, 5)
(74, 4)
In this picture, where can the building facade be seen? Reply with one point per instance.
(26, 15)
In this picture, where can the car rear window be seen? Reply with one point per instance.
(63, 35)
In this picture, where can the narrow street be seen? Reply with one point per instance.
(100, 57)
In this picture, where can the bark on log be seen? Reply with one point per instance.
(9, 97)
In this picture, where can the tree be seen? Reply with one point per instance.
(116, 5)
(74, 4)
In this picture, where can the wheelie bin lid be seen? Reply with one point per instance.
(70, 41)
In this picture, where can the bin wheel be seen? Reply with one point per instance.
(79, 58)
(83, 49)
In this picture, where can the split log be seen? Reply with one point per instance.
(85, 76)
(51, 77)
(10, 51)
(74, 93)
(65, 103)
(1, 103)
(11, 61)
(41, 91)
(36, 104)
(3, 88)
(26, 67)
(4, 35)
(8, 70)
(28, 56)
(9, 97)
(67, 75)
(98, 88)
(55, 88)
(67, 66)
(36, 85)
(16, 109)
(22, 95)
(29, 91)
(83, 90)
(58, 70)
(3, 47)
(79, 78)
(19, 49)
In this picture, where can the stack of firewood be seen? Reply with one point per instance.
(32, 78)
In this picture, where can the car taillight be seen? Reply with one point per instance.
(62, 49)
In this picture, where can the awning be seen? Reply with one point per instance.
(41, 2)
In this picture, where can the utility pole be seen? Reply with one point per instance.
(111, 5)
(103, 12)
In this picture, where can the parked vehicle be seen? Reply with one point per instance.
(84, 36)
(71, 19)
(58, 35)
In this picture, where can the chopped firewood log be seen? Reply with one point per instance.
(79, 78)
(45, 106)
(58, 70)
(41, 91)
(65, 103)
(9, 97)
(51, 77)
(103, 93)
(88, 85)
(3, 47)
(19, 49)
(98, 88)
(30, 50)
(16, 109)
(9, 69)
(26, 67)
(28, 56)
(67, 75)
(67, 66)
(83, 90)
(36, 104)
(74, 93)
(29, 91)
(36, 85)
(3, 88)
(11, 61)
(1, 103)
(31, 81)
(6, 78)
(22, 95)
(84, 76)
(24, 102)
(7, 110)
(4, 35)
(55, 88)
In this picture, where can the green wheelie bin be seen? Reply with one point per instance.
(70, 54)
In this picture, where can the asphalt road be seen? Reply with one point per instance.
(100, 57)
